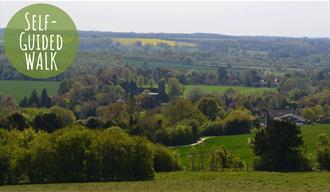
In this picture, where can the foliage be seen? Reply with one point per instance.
(222, 158)
(78, 154)
(279, 147)
(165, 160)
(238, 121)
(48, 122)
(210, 107)
(174, 88)
(323, 152)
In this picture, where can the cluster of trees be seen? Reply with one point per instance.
(305, 92)
(316, 107)
(40, 119)
(184, 121)
(237, 121)
(77, 154)
(35, 101)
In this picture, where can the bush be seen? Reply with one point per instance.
(323, 152)
(17, 121)
(114, 151)
(48, 122)
(5, 168)
(222, 158)
(179, 135)
(41, 156)
(212, 128)
(143, 159)
(210, 107)
(165, 160)
(65, 115)
(71, 147)
(238, 121)
(94, 123)
(121, 157)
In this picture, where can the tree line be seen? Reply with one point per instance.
(78, 154)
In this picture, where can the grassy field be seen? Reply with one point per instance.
(228, 181)
(239, 144)
(214, 88)
(149, 41)
(19, 89)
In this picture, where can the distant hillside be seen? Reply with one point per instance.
(199, 51)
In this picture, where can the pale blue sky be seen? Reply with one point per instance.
(298, 19)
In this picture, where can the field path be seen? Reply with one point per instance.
(201, 140)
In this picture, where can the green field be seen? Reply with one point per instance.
(19, 89)
(229, 181)
(214, 88)
(239, 144)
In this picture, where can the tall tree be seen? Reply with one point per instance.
(279, 147)
(34, 99)
(45, 99)
(24, 102)
(174, 88)
(222, 75)
(210, 107)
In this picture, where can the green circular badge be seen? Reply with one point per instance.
(41, 41)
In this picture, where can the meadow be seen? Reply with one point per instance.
(218, 89)
(18, 89)
(240, 144)
(227, 181)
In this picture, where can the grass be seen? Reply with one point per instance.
(19, 89)
(228, 181)
(214, 88)
(239, 144)
(153, 42)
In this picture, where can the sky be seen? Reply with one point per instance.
(294, 19)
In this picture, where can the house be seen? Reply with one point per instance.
(293, 118)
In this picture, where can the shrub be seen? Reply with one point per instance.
(179, 135)
(114, 152)
(238, 121)
(41, 156)
(210, 107)
(143, 159)
(5, 168)
(17, 121)
(94, 123)
(48, 122)
(71, 147)
(323, 152)
(165, 160)
(65, 115)
(212, 128)
(222, 158)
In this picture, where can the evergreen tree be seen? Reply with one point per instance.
(34, 99)
(45, 99)
(24, 102)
